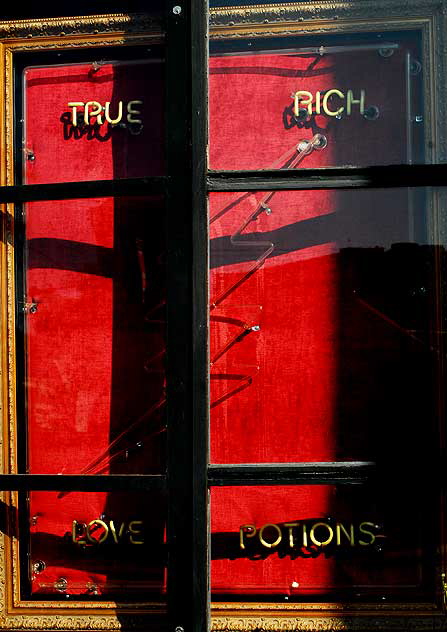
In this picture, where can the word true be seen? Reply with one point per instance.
(299, 534)
(99, 531)
(323, 102)
(95, 109)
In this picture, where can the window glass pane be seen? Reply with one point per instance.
(92, 306)
(96, 120)
(325, 331)
(292, 543)
(93, 545)
(297, 102)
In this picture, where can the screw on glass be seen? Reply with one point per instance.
(38, 566)
(371, 113)
(415, 67)
(61, 584)
(386, 51)
(30, 308)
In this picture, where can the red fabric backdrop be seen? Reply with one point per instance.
(305, 340)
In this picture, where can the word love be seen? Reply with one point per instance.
(301, 534)
(99, 531)
(95, 109)
(325, 101)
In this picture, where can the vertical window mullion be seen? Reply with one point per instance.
(201, 547)
(185, 608)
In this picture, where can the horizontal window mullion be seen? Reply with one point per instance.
(85, 189)
(81, 483)
(388, 176)
(324, 473)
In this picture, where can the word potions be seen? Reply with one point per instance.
(302, 534)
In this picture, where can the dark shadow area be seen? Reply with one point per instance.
(61, 254)
(91, 132)
(267, 70)
(389, 350)
(9, 522)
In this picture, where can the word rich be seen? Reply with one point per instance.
(323, 102)
(94, 108)
(82, 533)
(300, 534)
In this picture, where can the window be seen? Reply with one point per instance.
(86, 538)
(223, 281)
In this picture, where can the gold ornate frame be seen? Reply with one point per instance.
(325, 16)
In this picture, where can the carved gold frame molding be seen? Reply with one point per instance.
(326, 16)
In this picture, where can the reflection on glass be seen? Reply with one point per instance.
(94, 322)
(301, 541)
(360, 95)
(95, 545)
(324, 337)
